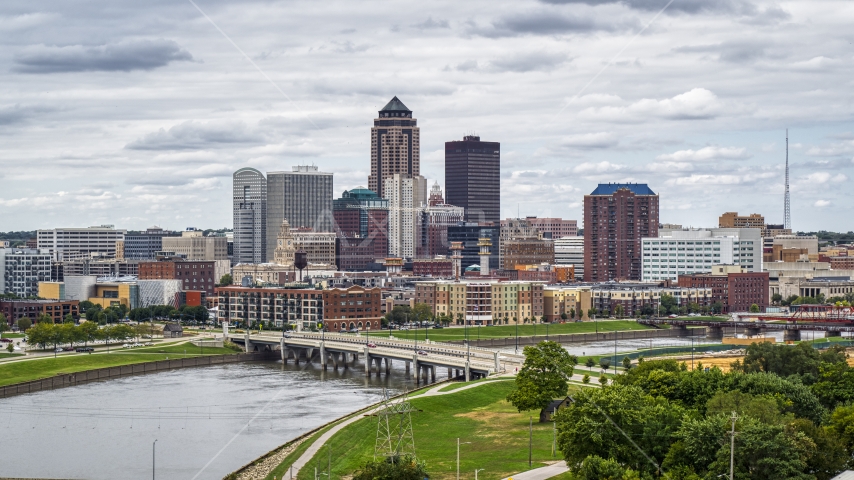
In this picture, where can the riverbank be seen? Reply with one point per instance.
(494, 435)
(587, 337)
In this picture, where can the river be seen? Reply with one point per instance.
(207, 421)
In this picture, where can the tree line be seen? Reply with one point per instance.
(794, 415)
(45, 333)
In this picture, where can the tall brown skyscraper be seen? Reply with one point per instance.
(395, 145)
(616, 217)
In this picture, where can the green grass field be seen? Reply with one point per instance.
(10, 355)
(25, 371)
(509, 331)
(181, 348)
(497, 432)
(12, 335)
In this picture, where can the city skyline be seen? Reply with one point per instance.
(130, 123)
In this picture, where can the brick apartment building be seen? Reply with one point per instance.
(433, 267)
(736, 291)
(302, 307)
(32, 309)
(482, 302)
(616, 217)
(194, 275)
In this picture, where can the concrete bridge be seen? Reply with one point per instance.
(792, 330)
(343, 351)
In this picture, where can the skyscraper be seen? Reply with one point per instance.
(303, 197)
(473, 178)
(361, 219)
(406, 195)
(616, 217)
(395, 145)
(250, 216)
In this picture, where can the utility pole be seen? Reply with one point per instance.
(153, 458)
(530, 438)
(732, 448)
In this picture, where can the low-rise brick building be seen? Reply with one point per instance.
(194, 275)
(14, 310)
(484, 302)
(735, 289)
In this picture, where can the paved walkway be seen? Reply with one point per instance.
(541, 473)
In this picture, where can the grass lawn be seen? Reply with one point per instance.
(497, 432)
(456, 385)
(508, 331)
(9, 355)
(25, 371)
(12, 335)
(180, 348)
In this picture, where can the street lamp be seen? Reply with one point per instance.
(478, 470)
(458, 456)
(516, 321)
(153, 458)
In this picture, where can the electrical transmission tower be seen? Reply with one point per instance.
(394, 429)
(787, 215)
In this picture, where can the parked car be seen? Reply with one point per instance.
(67, 349)
(84, 349)
(673, 315)
(354, 330)
(5, 340)
(372, 345)
(342, 330)
(58, 349)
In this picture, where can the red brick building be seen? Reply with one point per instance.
(433, 267)
(736, 291)
(354, 307)
(32, 309)
(616, 217)
(194, 275)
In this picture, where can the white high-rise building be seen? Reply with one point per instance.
(76, 243)
(303, 197)
(570, 251)
(250, 216)
(406, 196)
(21, 270)
(683, 252)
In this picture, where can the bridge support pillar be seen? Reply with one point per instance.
(832, 333)
(497, 363)
(367, 362)
(433, 373)
(334, 360)
(415, 367)
(323, 359)
(752, 331)
(449, 373)
(407, 366)
(247, 345)
(715, 332)
(468, 372)
(791, 335)
(282, 351)
(387, 366)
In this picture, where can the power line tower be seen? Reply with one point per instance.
(394, 429)
(788, 212)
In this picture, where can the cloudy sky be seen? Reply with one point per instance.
(137, 113)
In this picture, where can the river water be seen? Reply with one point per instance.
(207, 421)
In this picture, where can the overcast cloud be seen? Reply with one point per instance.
(136, 114)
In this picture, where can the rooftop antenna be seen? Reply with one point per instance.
(788, 211)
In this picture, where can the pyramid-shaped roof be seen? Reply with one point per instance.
(395, 105)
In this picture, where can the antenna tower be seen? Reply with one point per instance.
(394, 429)
(788, 211)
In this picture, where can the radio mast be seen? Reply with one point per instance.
(788, 211)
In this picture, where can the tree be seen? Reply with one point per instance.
(543, 377)
(40, 334)
(44, 318)
(717, 308)
(591, 312)
(421, 312)
(24, 324)
(604, 363)
(572, 314)
(618, 311)
(88, 332)
(585, 378)
(597, 468)
(226, 280)
(627, 363)
(669, 303)
(406, 468)
(69, 333)
(754, 308)
(563, 315)
(776, 299)
(590, 363)
(4, 324)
